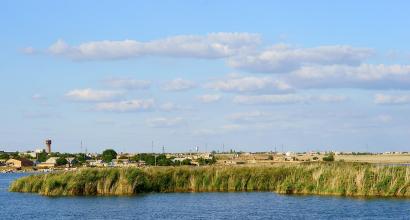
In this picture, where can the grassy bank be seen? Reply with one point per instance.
(321, 179)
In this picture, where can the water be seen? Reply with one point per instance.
(253, 205)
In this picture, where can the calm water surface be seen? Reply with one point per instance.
(254, 205)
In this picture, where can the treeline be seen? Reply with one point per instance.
(344, 179)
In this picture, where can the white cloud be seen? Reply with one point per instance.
(161, 122)
(284, 58)
(286, 99)
(179, 85)
(209, 98)
(91, 95)
(170, 106)
(250, 84)
(383, 99)
(126, 106)
(367, 76)
(210, 46)
(244, 117)
(38, 96)
(127, 83)
(29, 50)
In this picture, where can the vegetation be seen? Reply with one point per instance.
(4, 156)
(336, 178)
(61, 161)
(329, 158)
(108, 155)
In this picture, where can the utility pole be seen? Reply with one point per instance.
(152, 146)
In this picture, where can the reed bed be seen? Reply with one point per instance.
(345, 179)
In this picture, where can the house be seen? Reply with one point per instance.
(19, 163)
(50, 162)
(120, 162)
(96, 163)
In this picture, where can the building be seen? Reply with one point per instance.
(50, 162)
(48, 146)
(19, 163)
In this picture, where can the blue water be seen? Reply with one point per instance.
(253, 205)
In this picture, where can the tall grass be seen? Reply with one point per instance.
(324, 179)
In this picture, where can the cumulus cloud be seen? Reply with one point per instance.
(162, 122)
(367, 76)
(286, 99)
(126, 106)
(209, 98)
(384, 99)
(284, 58)
(127, 83)
(250, 84)
(210, 46)
(91, 95)
(179, 85)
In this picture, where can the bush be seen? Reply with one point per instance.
(329, 158)
(61, 161)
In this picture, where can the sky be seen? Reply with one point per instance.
(217, 75)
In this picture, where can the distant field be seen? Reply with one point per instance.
(375, 158)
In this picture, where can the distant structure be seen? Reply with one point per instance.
(48, 146)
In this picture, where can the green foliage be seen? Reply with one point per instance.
(329, 158)
(4, 156)
(81, 158)
(345, 179)
(186, 162)
(42, 157)
(61, 161)
(152, 159)
(203, 161)
(108, 155)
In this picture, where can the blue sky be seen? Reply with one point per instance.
(248, 75)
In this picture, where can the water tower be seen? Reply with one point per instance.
(48, 146)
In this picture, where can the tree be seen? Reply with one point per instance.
(186, 162)
(108, 155)
(81, 158)
(42, 157)
(61, 161)
(4, 156)
(329, 158)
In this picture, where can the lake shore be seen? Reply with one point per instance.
(344, 179)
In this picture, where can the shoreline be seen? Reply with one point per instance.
(338, 179)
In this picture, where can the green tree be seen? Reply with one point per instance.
(329, 158)
(81, 158)
(42, 157)
(108, 155)
(61, 161)
(4, 156)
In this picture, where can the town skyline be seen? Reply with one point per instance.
(252, 77)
